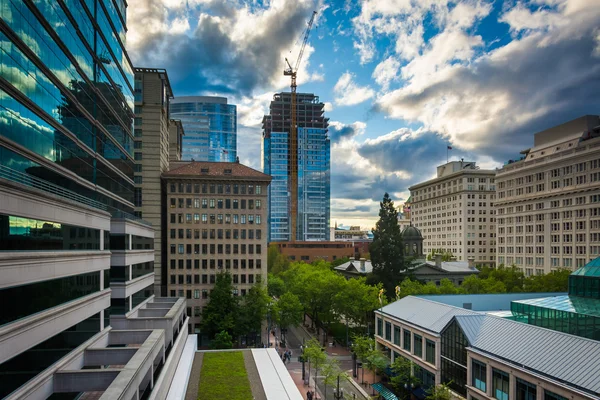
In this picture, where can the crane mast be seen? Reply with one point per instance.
(293, 137)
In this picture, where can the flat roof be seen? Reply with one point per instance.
(572, 304)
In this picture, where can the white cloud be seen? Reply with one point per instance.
(348, 93)
(328, 106)
(386, 72)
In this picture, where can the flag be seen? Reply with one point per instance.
(449, 147)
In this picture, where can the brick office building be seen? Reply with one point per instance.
(216, 221)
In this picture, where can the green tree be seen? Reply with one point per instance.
(357, 301)
(387, 254)
(475, 285)
(339, 261)
(331, 372)
(555, 281)
(222, 310)
(253, 310)
(288, 310)
(314, 354)
(222, 340)
(439, 392)
(376, 362)
(512, 277)
(276, 262)
(402, 369)
(275, 285)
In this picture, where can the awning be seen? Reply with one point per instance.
(384, 392)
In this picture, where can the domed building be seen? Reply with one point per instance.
(413, 242)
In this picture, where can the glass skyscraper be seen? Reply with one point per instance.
(313, 168)
(210, 126)
(74, 259)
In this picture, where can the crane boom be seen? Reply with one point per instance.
(293, 137)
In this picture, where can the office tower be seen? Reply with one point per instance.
(210, 126)
(217, 222)
(312, 222)
(153, 149)
(75, 260)
(548, 201)
(455, 212)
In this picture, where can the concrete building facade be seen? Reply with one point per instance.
(548, 212)
(314, 191)
(152, 152)
(312, 251)
(210, 125)
(217, 214)
(455, 212)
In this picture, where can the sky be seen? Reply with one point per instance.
(401, 79)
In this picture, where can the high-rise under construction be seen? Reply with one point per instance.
(313, 168)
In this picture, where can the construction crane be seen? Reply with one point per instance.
(293, 159)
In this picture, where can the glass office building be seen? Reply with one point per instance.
(313, 168)
(577, 314)
(210, 126)
(66, 181)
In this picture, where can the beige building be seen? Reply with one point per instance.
(548, 204)
(216, 221)
(455, 212)
(157, 140)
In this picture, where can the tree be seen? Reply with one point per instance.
(253, 310)
(439, 392)
(222, 340)
(276, 262)
(339, 261)
(403, 379)
(555, 281)
(387, 254)
(275, 285)
(222, 310)
(357, 300)
(331, 373)
(376, 362)
(288, 310)
(314, 354)
(474, 285)
(512, 277)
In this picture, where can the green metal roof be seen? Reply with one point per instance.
(384, 392)
(573, 304)
(590, 269)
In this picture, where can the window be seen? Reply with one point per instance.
(379, 320)
(500, 384)
(430, 351)
(525, 390)
(548, 395)
(406, 345)
(478, 372)
(418, 346)
(396, 335)
(388, 331)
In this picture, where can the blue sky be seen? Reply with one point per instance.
(402, 79)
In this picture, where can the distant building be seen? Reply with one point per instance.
(216, 215)
(210, 126)
(313, 251)
(355, 268)
(435, 271)
(481, 356)
(455, 212)
(350, 234)
(548, 203)
(313, 158)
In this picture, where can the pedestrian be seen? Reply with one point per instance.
(309, 395)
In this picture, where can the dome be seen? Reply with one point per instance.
(411, 233)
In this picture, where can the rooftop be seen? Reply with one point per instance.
(487, 302)
(426, 314)
(214, 169)
(452, 266)
(354, 266)
(573, 304)
(559, 356)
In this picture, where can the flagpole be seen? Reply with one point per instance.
(447, 149)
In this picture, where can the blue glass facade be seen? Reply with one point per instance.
(66, 96)
(314, 194)
(210, 126)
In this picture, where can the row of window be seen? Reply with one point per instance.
(216, 234)
(212, 264)
(216, 218)
(216, 249)
(210, 279)
(501, 384)
(214, 188)
(407, 340)
(188, 295)
(234, 204)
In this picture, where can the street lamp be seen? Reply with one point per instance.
(408, 387)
